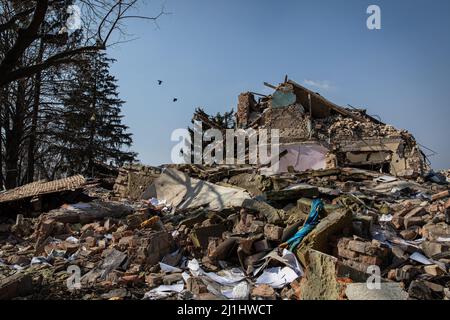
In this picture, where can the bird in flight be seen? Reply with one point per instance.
(160, 82)
(175, 99)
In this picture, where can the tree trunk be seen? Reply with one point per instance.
(3, 99)
(14, 137)
(90, 152)
(34, 119)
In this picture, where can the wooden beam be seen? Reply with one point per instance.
(270, 85)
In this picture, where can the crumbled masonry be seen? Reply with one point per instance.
(184, 232)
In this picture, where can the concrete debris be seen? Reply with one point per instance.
(133, 179)
(352, 193)
(318, 134)
(16, 285)
(184, 192)
(387, 291)
(263, 292)
(361, 254)
(186, 237)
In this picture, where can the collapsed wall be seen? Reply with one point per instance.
(318, 134)
(133, 179)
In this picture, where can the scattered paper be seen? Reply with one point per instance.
(226, 277)
(168, 268)
(223, 277)
(164, 291)
(194, 267)
(169, 288)
(72, 239)
(238, 292)
(386, 218)
(288, 258)
(156, 203)
(39, 260)
(17, 267)
(185, 276)
(175, 233)
(277, 277)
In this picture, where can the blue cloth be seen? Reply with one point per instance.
(310, 224)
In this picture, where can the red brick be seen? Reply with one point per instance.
(370, 260)
(358, 246)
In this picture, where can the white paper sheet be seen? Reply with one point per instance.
(386, 217)
(225, 277)
(277, 277)
(288, 258)
(164, 291)
(168, 268)
(72, 239)
(238, 292)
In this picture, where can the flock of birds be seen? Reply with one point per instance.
(160, 82)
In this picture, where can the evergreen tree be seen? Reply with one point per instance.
(91, 129)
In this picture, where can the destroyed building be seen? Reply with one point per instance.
(341, 206)
(318, 134)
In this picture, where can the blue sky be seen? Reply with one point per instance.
(207, 52)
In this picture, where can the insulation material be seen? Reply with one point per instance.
(300, 157)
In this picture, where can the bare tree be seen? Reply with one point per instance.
(100, 19)
(40, 41)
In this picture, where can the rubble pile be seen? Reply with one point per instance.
(353, 212)
(318, 234)
(339, 127)
(361, 254)
(318, 134)
(132, 179)
(446, 174)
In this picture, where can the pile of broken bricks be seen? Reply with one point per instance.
(189, 237)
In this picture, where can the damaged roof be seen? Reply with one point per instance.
(41, 187)
(320, 106)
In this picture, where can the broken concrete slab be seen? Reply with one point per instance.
(320, 281)
(184, 192)
(440, 195)
(272, 215)
(436, 231)
(434, 270)
(387, 291)
(88, 212)
(255, 184)
(113, 259)
(304, 204)
(272, 232)
(16, 285)
(200, 236)
(133, 179)
(264, 292)
(433, 249)
(318, 238)
(293, 192)
(151, 247)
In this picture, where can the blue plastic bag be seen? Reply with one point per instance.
(310, 224)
